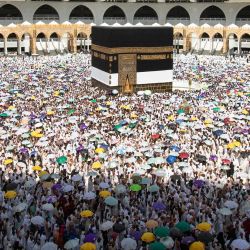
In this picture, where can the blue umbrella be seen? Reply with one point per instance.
(175, 148)
(171, 159)
(218, 132)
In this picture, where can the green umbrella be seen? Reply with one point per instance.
(61, 160)
(93, 101)
(153, 188)
(25, 142)
(26, 135)
(157, 246)
(180, 111)
(135, 188)
(132, 125)
(183, 226)
(111, 201)
(71, 100)
(161, 232)
(4, 115)
(117, 127)
(71, 111)
(216, 109)
(147, 92)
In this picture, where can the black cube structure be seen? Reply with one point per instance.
(130, 59)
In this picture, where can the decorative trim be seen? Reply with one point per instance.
(121, 50)
(153, 57)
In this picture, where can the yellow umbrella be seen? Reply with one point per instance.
(56, 93)
(36, 168)
(237, 143)
(171, 118)
(197, 245)
(10, 195)
(108, 103)
(86, 213)
(133, 115)
(105, 194)
(204, 227)
(193, 119)
(11, 107)
(230, 145)
(96, 165)
(42, 173)
(208, 121)
(244, 112)
(99, 150)
(151, 224)
(33, 98)
(88, 246)
(50, 112)
(148, 237)
(7, 161)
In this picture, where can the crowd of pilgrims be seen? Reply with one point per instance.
(83, 168)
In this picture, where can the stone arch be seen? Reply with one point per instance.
(246, 35)
(244, 43)
(178, 14)
(145, 15)
(54, 36)
(12, 43)
(178, 41)
(46, 13)
(232, 34)
(81, 13)
(114, 14)
(41, 35)
(204, 35)
(10, 14)
(81, 41)
(12, 36)
(212, 15)
(217, 35)
(243, 16)
(67, 42)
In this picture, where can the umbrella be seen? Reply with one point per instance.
(183, 226)
(171, 159)
(135, 188)
(187, 240)
(49, 246)
(86, 213)
(225, 211)
(104, 185)
(167, 242)
(153, 188)
(96, 165)
(106, 225)
(120, 189)
(151, 224)
(37, 220)
(48, 207)
(76, 177)
(231, 204)
(56, 186)
(20, 207)
(128, 244)
(90, 238)
(61, 160)
(11, 186)
(159, 206)
(111, 201)
(240, 244)
(175, 232)
(157, 246)
(118, 227)
(10, 195)
(67, 188)
(148, 237)
(71, 244)
(89, 196)
(161, 232)
(7, 161)
(175, 148)
(30, 183)
(197, 245)
(205, 237)
(198, 183)
(204, 227)
(146, 181)
(88, 246)
(183, 155)
(105, 194)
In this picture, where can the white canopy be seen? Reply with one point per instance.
(26, 23)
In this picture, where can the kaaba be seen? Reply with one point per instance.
(131, 59)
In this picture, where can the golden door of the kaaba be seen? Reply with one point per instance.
(127, 72)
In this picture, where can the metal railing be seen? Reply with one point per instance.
(213, 19)
(145, 18)
(45, 17)
(242, 19)
(80, 18)
(114, 18)
(2, 18)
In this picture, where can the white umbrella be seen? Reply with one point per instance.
(104, 185)
(120, 189)
(225, 211)
(231, 204)
(38, 125)
(48, 207)
(240, 244)
(68, 188)
(106, 225)
(21, 164)
(160, 172)
(70, 244)
(37, 220)
(160, 160)
(20, 207)
(76, 177)
(131, 160)
(30, 183)
(128, 244)
(89, 196)
(167, 242)
(49, 246)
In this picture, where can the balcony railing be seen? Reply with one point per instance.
(213, 19)
(45, 17)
